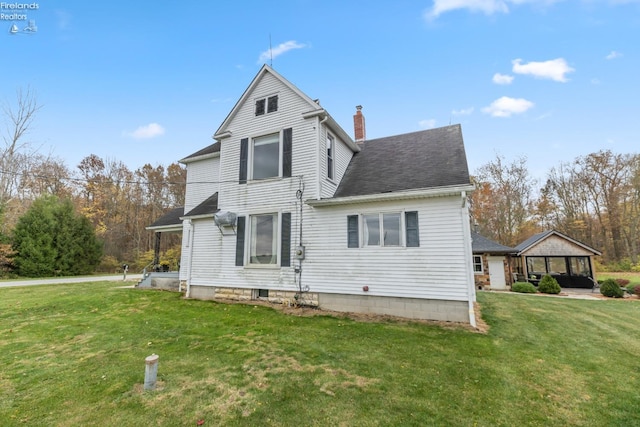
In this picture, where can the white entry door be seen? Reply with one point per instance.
(496, 272)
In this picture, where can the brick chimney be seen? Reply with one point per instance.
(359, 130)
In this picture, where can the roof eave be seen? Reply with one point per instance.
(334, 126)
(419, 193)
(165, 228)
(188, 160)
(201, 216)
(564, 236)
(263, 70)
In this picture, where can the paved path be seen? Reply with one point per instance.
(62, 280)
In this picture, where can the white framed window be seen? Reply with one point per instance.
(477, 264)
(389, 229)
(265, 156)
(330, 157)
(268, 104)
(382, 229)
(263, 239)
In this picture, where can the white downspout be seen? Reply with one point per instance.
(320, 154)
(468, 257)
(189, 266)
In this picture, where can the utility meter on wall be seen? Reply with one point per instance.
(300, 252)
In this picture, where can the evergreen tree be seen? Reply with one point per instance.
(51, 239)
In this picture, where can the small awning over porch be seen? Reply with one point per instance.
(168, 222)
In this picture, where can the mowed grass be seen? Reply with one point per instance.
(74, 355)
(632, 276)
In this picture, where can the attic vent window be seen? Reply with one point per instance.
(268, 105)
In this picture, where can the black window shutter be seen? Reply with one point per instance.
(352, 231)
(285, 235)
(287, 146)
(411, 225)
(244, 153)
(272, 104)
(240, 241)
(260, 107)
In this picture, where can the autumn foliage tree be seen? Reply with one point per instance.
(501, 206)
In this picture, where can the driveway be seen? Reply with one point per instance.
(62, 280)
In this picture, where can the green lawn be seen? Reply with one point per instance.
(633, 277)
(74, 355)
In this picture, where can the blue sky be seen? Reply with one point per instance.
(148, 82)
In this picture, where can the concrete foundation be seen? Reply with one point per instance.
(412, 308)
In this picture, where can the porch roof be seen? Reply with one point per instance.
(480, 245)
(170, 221)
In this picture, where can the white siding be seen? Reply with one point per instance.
(437, 269)
(206, 260)
(260, 196)
(202, 181)
(342, 157)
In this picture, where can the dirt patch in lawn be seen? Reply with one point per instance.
(306, 311)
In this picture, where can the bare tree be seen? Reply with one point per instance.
(15, 149)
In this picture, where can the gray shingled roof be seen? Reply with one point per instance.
(213, 148)
(533, 240)
(170, 218)
(480, 244)
(430, 158)
(209, 206)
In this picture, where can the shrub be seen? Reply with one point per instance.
(622, 282)
(632, 288)
(549, 285)
(609, 288)
(636, 290)
(523, 287)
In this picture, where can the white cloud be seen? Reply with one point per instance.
(554, 69)
(613, 55)
(502, 79)
(463, 112)
(427, 124)
(505, 106)
(145, 132)
(269, 54)
(595, 81)
(488, 7)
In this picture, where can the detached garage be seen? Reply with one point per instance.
(569, 261)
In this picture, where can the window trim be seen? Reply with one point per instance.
(250, 242)
(251, 156)
(481, 264)
(264, 110)
(331, 157)
(356, 229)
(282, 235)
(285, 155)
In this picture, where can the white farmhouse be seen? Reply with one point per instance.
(285, 206)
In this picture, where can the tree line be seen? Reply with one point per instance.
(594, 199)
(117, 202)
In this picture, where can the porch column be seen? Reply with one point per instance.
(156, 249)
